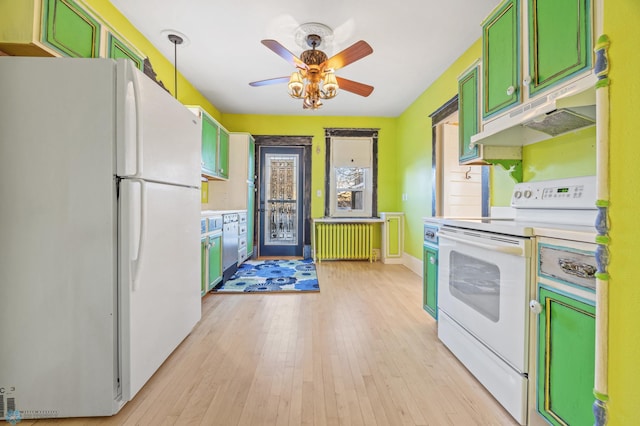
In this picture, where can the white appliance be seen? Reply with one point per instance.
(485, 283)
(99, 262)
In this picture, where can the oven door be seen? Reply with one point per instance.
(483, 284)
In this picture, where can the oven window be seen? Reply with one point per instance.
(476, 283)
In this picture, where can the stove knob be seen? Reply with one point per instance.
(517, 194)
(527, 193)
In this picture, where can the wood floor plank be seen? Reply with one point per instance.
(362, 351)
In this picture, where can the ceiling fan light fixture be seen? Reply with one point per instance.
(296, 85)
(314, 79)
(329, 86)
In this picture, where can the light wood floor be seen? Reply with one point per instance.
(362, 351)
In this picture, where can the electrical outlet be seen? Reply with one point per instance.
(376, 254)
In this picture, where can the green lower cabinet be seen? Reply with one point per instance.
(203, 266)
(70, 29)
(251, 199)
(215, 261)
(117, 49)
(430, 281)
(566, 359)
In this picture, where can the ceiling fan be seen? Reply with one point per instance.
(314, 78)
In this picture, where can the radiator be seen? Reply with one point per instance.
(344, 241)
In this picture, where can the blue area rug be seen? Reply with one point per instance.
(258, 276)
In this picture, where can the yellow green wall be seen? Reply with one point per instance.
(388, 198)
(187, 94)
(621, 25)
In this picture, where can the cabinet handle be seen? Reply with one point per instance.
(432, 260)
(535, 307)
(527, 81)
(511, 90)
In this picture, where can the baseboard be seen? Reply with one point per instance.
(412, 263)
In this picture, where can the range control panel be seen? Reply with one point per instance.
(570, 193)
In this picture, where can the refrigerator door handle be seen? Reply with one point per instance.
(142, 220)
(138, 119)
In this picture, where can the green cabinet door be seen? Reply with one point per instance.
(251, 200)
(559, 40)
(566, 359)
(215, 261)
(223, 152)
(430, 281)
(70, 30)
(117, 49)
(209, 146)
(501, 58)
(468, 104)
(203, 266)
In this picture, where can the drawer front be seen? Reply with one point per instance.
(214, 223)
(242, 217)
(242, 243)
(242, 229)
(431, 234)
(567, 265)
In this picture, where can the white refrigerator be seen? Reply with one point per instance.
(99, 243)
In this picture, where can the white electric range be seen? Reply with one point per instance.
(485, 281)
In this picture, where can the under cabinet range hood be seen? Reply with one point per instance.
(550, 114)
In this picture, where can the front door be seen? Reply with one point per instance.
(281, 193)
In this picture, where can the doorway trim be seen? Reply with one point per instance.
(437, 116)
(289, 141)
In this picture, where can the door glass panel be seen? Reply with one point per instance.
(476, 283)
(281, 221)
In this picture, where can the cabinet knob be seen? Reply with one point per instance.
(535, 307)
(511, 90)
(432, 260)
(527, 81)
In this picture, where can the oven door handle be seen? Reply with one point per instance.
(516, 251)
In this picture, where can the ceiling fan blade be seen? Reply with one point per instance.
(269, 81)
(356, 51)
(282, 51)
(354, 87)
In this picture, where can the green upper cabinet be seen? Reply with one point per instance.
(48, 28)
(501, 58)
(223, 152)
(116, 48)
(468, 114)
(70, 29)
(210, 132)
(566, 358)
(215, 147)
(559, 41)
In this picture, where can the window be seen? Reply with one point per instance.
(351, 173)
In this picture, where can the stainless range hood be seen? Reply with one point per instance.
(569, 108)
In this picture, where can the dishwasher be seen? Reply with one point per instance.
(229, 245)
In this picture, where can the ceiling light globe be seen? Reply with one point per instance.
(296, 85)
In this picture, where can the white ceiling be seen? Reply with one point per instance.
(413, 42)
